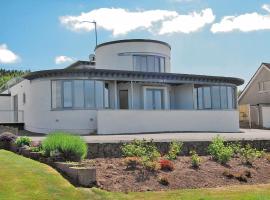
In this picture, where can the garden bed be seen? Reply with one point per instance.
(113, 175)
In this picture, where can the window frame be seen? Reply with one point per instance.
(62, 108)
(160, 58)
(202, 101)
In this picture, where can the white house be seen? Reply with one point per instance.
(126, 87)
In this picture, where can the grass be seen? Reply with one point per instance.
(23, 179)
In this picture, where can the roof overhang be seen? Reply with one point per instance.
(105, 74)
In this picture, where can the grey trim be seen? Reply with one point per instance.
(132, 40)
(125, 75)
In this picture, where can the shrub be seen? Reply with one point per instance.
(166, 165)
(35, 149)
(132, 162)
(174, 150)
(23, 141)
(249, 154)
(141, 148)
(6, 139)
(236, 147)
(151, 165)
(70, 147)
(163, 180)
(219, 151)
(195, 159)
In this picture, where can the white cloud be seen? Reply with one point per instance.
(266, 7)
(245, 22)
(117, 20)
(63, 59)
(121, 21)
(7, 56)
(188, 23)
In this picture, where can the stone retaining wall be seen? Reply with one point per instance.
(103, 150)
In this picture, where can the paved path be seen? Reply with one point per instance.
(246, 134)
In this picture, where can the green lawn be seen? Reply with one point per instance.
(22, 178)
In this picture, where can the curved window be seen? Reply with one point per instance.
(149, 63)
(214, 97)
(77, 94)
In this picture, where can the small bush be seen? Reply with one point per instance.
(219, 151)
(163, 180)
(23, 141)
(35, 149)
(151, 165)
(68, 146)
(174, 150)
(166, 165)
(249, 154)
(141, 148)
(195, 159)
(132, 162)
(236, 147)
(6, 139)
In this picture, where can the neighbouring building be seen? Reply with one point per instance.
(126, 87)
(254, 101)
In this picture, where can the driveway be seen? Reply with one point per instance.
(245, 134)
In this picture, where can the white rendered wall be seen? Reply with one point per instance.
(39, 117)
(107, 57)
(265, 116)
(6, 115)
(183, 95)
(140, 121)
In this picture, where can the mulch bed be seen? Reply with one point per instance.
(112, 174)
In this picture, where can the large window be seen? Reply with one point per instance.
(77, 94)
(154, 99)
(149, 63)
(214, 97)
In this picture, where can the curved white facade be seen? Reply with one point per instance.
(119, 55)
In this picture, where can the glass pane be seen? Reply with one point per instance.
(157, 65)
(230, 97)
(99, 93)
(234, 100)
(200, 98)
(137, 63)
(157, 99)
(78, 94)
(67, 93)
(56, 94)
(162, 64)
(223, 97)
(216, 97)
(207, 97)
(89, 94)
(143, 63)
(151, 63)
(149, 99)
(106, 95)
(195, 98)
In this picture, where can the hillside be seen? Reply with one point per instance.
(6, 75)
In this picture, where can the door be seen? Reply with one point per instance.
(15, 107)
(123, 99)
(154, 99)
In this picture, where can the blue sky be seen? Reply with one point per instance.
(204, 39)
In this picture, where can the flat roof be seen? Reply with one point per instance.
(133, 40)
(107, 74)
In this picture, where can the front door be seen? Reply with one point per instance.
(123, 99)
(15, 107)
